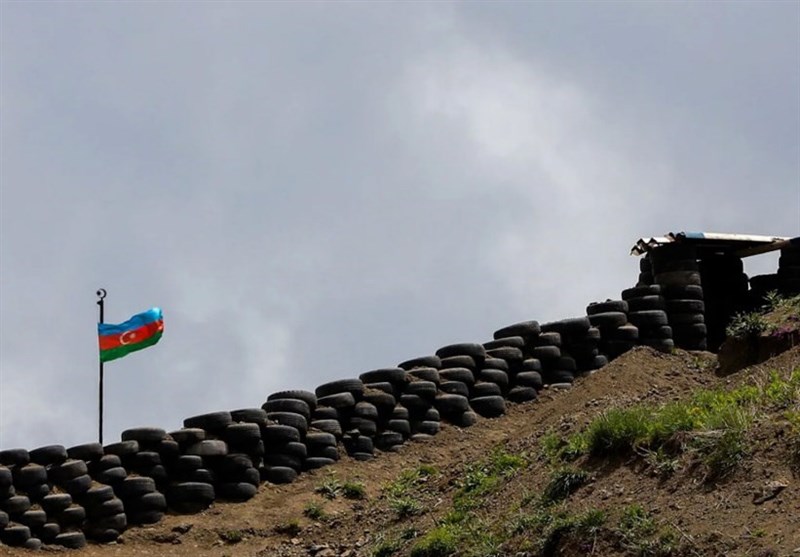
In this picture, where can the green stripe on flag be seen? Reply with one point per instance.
(115, 353)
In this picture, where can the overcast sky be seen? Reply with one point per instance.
(313, 190)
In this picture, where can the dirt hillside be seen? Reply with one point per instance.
(489, 489)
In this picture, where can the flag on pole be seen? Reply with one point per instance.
(140, 331)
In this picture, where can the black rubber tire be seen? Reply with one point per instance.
(364, 426)
(291, 419)
(549, 338)
(209, 448)
(122, 449)
(467, 419)
(74, 515)
(237, 492)
(33, 474)
(497, 363)
(306, 396)
(60, 473)
(70, 540)
(507, 353)
(338, 400)
(144, 435)
(472, 349)
(522, 394)
(529, 379)
(287, 405)
(457, 362)
(77, 486)
(449, 405)
(678, 278)
(421, 361)
(37, 492)
(531, 364)
(246, 433)
(399, 426)
(249, 416)
(424, 389)
(277, 433)
(33, 518)
(683, 292)
(513, 342)
(316, 462)
(400, 413)
(426, 374)
(106, 508)
(190, 497)
(685, 306)
(626, 332)
(48, 532)
(568, 327)
(460, 374)
(107, 535)
(693, 331)
(55, 503)
(15, 535)
(213, 421)
(49, 454)
(496, 376)
(608, 320)
(427, 428)
(661, 344)
(523, 329)
(365, 410)
(325, 413)
(145, 459)
(546, 352)
(558, 376)
(188, 436)
(644, 303)
(97, 495)
(316, 440)
(279, 474)
(108, 461)
(395, 375)
(353, 386)
(112, 476)
(135, 486)
(482, 388)
(609, 306)
(388, 439)
(648, 318)
(488, 406)
(383, 401)
(454, 388)
(639, 291)
(328, 426)
(683, 319)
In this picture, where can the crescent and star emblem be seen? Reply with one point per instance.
(127, 337)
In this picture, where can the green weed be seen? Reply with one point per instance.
(410, 479)
(563, 482)
(354, 490)
(405, 506)
(315, 511)
(439, 542)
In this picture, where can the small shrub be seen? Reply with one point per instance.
(354, 490)
(409, 479)
(329, 488)
(315, 511)
(405, 507)
(231, 536)
(747, 325)
(563, 482)
(385, 548)
(290, 528)
(439, 542)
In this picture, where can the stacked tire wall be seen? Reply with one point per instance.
(61, 496)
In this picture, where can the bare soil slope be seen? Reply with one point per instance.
(754, 511)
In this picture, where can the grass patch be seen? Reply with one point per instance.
(563, 482)
(410, 479)
(405, 506)
(289, 528)
(231, 536)
(639, 534)
(484, 477)
(315, 511)
(439, 542)
(546, 527)
(354, 490)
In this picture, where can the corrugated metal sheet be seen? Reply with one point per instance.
(741, 244)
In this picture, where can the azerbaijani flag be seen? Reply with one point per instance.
(140, 331)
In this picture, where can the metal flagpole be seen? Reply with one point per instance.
(101, 294)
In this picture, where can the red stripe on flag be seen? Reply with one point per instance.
(133, 336)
